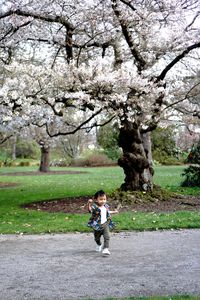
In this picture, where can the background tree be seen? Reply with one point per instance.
(187, 136)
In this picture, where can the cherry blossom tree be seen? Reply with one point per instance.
(120, 58)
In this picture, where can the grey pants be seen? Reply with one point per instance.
(106, 235)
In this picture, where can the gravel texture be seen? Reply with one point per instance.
(65, 266)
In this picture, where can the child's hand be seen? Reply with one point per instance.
(114, 211)
(89, 205)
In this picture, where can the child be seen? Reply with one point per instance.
(100, 220)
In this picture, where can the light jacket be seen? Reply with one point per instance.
(95, 219)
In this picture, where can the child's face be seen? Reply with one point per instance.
(101, 200)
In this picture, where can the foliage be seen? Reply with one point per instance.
(192, 176)
(107, 138)
(113, 153)
(192, 173)
(194, 155)
(24, 163)
(63, 162)
(92, 160)
(161, 157)
(163, 146)
(163, 139)
(19, 148)
(27, 149)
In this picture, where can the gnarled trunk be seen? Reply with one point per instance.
(44, 161)
(148, 172)
(136, 158)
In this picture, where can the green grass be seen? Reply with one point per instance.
(169, 177)
(14, 219)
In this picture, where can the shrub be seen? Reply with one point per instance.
(60, 163)
(192, 176)
(194, 155)
(164, 148)
(164, 159)
(192, 173)
(25, 164)
(163, 139)
(113, 153)
(93, 160)
(10, 163)
(27, 149)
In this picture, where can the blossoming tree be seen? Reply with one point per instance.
(120, 58)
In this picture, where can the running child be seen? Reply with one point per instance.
(100, 220)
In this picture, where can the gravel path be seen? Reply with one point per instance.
(65, 266)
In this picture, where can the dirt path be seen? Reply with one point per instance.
(65, 266)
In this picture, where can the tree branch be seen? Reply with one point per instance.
(48, 18)
(102, 124)
(176, 60)
(140, 62)
(128, 3)
(181, 100)
(13, 30)
(77, 128)
(4, 139)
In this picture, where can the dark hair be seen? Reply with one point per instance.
(99, 194)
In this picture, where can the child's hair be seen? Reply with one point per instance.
(99, 194)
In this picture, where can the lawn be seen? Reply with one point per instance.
(14, 219)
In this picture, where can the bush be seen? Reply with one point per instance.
(25, 164)
(93, 160)
(192, 176)
(164, 159)
(192, 173)
(164, 148)
(27, 149)
(194, 155)
(113, 153)
(183, 157)
(60, 163)
(10, 163)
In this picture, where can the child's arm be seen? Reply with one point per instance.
(89, 205)
(114, 211)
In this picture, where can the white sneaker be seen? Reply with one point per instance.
(98, 248)
(106, 251)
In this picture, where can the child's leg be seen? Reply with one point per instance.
(106, 235)
(97, 237)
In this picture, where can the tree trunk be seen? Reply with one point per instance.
(44, 161)
(136, 159)
(14, 147)
(148, 172)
